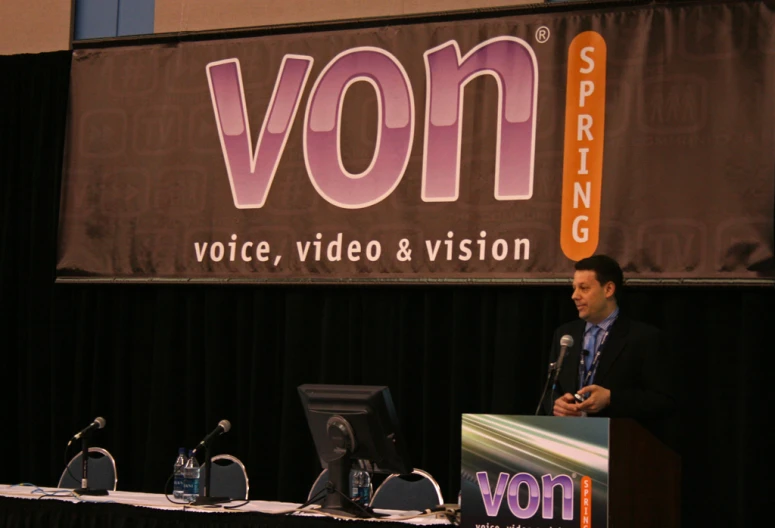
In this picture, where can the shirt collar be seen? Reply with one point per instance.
(606, 323)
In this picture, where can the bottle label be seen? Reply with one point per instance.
(364, 495)
(191, 486)
(195, 487)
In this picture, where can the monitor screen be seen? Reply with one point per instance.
(372, 417)
(354, 425)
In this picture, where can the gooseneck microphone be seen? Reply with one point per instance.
(565, 342)
(83, 435)
(223, 427)
(206, 498)
(98, 423)
(554, 368)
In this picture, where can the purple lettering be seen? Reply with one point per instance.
(566, 485)
(395, 131)
(492, 503)
(533, 501)
(512, 63)
(509, 60)
(251, 173)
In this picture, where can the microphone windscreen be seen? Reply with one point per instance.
(566, 340)
(225, 425)
(100, 421)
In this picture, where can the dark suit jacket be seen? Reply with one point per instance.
(635, 365)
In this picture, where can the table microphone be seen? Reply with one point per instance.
(98, 423)
(206, 499)
(83, 434)
(223, 427)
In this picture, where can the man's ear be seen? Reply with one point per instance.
(609, 289)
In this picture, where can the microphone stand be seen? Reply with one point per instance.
(204, 498)
(552, 367)
(84, 489)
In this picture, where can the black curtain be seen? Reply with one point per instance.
(163, 364)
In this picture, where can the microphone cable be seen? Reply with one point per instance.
(546, 386)
(67, 462)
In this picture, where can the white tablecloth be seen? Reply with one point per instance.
(160, 502)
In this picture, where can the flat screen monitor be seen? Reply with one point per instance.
(353, 426)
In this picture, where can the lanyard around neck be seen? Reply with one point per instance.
(589, 374)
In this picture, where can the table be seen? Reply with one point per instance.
(29, 507)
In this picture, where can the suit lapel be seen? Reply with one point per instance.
(617, 337)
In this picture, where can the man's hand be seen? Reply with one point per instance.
(598, 399)
(566, 405)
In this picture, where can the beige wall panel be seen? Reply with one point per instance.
(34, 26)
(201, 15)
(436, 6)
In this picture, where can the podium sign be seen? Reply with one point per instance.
(534, 472)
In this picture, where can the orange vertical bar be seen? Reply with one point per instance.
(586, 503)
(582, 174)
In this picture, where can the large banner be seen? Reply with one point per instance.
(474, 150)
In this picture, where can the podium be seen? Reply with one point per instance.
(546, 471)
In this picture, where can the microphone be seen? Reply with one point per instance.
(223, 427)
(565, 342)
(583, 356)
(98, 423)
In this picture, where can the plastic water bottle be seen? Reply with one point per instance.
(191, 478)
(364, 488)
(354, 487)
(177, 469)
(361, 490)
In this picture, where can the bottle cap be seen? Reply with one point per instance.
(182, 451)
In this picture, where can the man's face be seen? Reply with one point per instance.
(593, 300)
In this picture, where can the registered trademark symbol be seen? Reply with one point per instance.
(542, 34)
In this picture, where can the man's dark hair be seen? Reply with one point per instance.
(606, 270)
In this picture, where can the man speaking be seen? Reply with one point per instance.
(615, 367)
